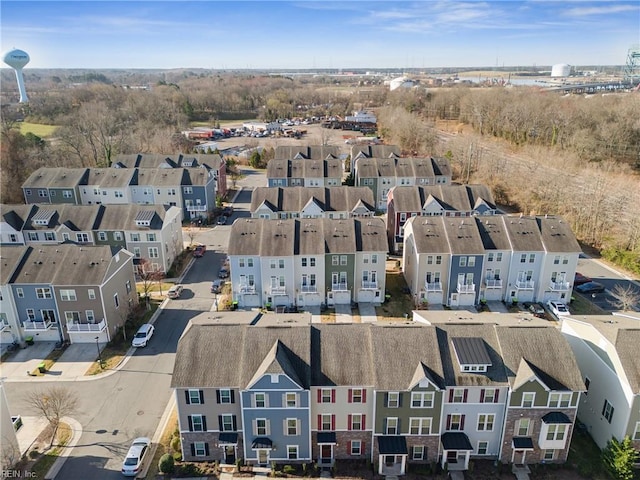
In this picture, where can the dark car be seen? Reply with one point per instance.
(580, 279)
(223, 273)
(535, 308)
(227, 211)
(222, 220)
(198, 250)
(590, 287)
(216, 286)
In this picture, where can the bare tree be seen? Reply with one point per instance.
(9, 452)
(625, 298)
(147, 274)
(53, 403)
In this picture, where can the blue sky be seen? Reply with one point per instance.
(319, 34)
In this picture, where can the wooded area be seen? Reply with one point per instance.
(540, 152)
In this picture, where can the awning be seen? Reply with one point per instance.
(522, 443)
(327, 437)
(262, 442)
(228, 437)
(392, 445)
(455, 441)
(556, 417)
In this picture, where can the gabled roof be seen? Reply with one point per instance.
(56, 177)
(11, 258)
(122, 217)
(557, 235)
(403, 167)
(429, 234)
(375, 151)
(74, 217)
(162, 177)
(523, 233)
(293, 199)
(277, 361)
(15, 215)
(493, 233)
(109, 177)
(313, 152)
(463, 236)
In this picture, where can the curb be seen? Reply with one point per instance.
(76, 428)
(157, 435)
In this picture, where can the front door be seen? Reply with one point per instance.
(326, 453)
(229, 455)
(452, 456)
(519, 456)
(262, 457)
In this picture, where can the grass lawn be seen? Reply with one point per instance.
(581, 306)
(400, 303)
(42, 131)
(165, 444)
(585, 456)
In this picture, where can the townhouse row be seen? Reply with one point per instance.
(192, 190)
(391, 394)
(307, 262)
(65, 292)
(460, 261)
(153, 233)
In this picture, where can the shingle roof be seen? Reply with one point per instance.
(403, 167)
(463, 236)
(74, 217)
(293, 199)
(109, 177)
(15, 215)
(11, 257)
(493, 232)
(430, 235)
(123, 217)
(557, 235)
(313, 152)
(523, 233)
(162, 177)
(55, 177)
(375, 151)
(627, 347)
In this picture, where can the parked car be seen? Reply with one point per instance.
(175, 291)
(580, 279)
(135, 456)
(198, 250)
(590, 287)
(216, 286)
(222, 220)
(535, 308)
(223, 273)
(143, 335)
(559, 309)
(227, 211)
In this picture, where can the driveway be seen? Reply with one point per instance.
(343, 313)
(367, 313)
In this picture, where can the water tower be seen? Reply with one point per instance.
(17, 59)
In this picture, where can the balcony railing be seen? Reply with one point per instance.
(247, 289)
(278, 290)
(4, 326)
(559, 286)
(433, 286)
(38, 326)
(466, 288)
(525, 284)
(196, 208)
(369, 285)
(493, 283)
(339, 287)
(86, 327)
(309, 289)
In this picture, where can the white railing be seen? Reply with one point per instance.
(36, 326)
(278, 290)
(86, 327)
(433, 286)
(247, 289)
(369, 285)
(309, 289)
(559, 285)
(493, 282)
(464, 288)
(196, 208)
(339, 287)
(525, 284)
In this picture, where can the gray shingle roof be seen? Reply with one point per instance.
(493, 232)
(75, 217)
(557, 235)
(110, 177)
(375, 151)
(463, 236)
(523, 233)
(56, 177)
(313, 152)
(293, 199)
(11, 257)
(451, 197)
(403, 167)
(15, 215)
(627, 347)
(430, 234)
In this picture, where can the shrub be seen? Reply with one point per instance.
(177, 456)
(190, 470)
(166, 464)
(175, 443)
(289, 469)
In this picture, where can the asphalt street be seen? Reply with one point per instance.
(608, 277)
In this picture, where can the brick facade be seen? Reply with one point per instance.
(216, 451)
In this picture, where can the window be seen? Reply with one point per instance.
(49, 236)
(187, 190)
(249, 262)
(117, 236)
(195, 397)
(438, 259)
(281, 263)
(422, 400)
(291, 426)
(565, 260)
(356, 395)
(151, 237)
(532, 257)
(420, 426)
(241, 262)
(483, 448)
(31, 314)
(27, 191)
(527, 399)
(327, 395)
(356, 422)
(135, 237)
(636, 432)
(197, 423)
(225, 396)
(343, 259)
(548, 454)
(291, 400)
(102, 236)
(327, 422)
(556, 260)
(392, 426)
(490, 257)
(32, 236)
(417, 452)
(72, 317)
(455, 422)
(463, 261)
(82, 237)
(42, 293)
(335, 259)
(20, 292)
(128, 286)
(560, 400)
(304, 261)
(498, 256)
(68, 295)
(485, 422)
(42, 193)
(259, 400)
(393, 399)
(489, 395)
(292, 452)
(522, 427)
(429, 259)
(607, 411)
(153, 252)
(261, 426)
(91, 318)
(312, 262)
(458, 395)
(356, 447)
(226, 423)
(200, 449)
(556, 431)
(523, 258)
(116, 301)
(471, 262)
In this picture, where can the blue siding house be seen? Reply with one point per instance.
(467, 255)
(37, 311)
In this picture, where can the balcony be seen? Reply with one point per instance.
(339, 287)
(493, 283)
(86, 327)
(464, 288)
(247, 289)
(36, 326)
(196, 208)
(525, 284)
(4, 326)
(433, 286)
(278, 291)
(309, 289)
(369, 285)
(562, 286)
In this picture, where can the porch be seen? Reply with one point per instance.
(456, 449)
(326, 443)
(392, 455)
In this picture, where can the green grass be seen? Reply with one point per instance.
(581, 306)
(40, 468)
(585, 457)
(41, 130)
(400, 303)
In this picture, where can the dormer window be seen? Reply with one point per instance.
(472, 354)
(143, 219)
(43, 217)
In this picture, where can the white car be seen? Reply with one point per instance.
(135, 456)
(175, 291)
(559, 309)
(143, 335)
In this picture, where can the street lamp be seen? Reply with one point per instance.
(99, 356)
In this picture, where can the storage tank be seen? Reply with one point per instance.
(561, 70)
